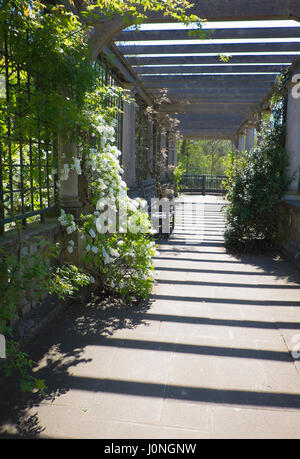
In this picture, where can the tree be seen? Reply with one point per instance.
(204, 156)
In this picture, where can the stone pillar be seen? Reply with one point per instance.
(163, 148)
(250, 138)
(69, 194)
(68, 189)
(175, 150)
(150, 152)
(173, 144)
(241, 142)
(292, 144)
(128, 142)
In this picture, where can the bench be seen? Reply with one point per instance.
(162, 212)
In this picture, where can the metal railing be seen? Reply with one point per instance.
(28, 148)
(203, 183)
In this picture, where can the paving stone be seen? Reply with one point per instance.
(230, 422)
(209, 357)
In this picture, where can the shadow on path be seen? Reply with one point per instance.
(60, 346)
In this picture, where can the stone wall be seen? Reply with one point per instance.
(32, 315)
(50, 230)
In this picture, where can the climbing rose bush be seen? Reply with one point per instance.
(117, 231)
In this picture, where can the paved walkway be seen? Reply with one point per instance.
(209, 357)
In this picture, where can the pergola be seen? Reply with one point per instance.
(210, 98)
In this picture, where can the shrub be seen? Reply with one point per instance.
(256, 182)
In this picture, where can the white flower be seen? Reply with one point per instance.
(92, 279)
(104, 252)
(114, 252)
(88, 248)
(98, 225)
(132, 206)
(76, 166)
(71, 228)
(92, 233)
(70, 246)
(63, 218)
(64, 173)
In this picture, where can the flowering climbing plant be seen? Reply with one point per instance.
(48, 48)
(116, 232)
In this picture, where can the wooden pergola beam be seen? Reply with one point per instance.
(226, 68)
(212, 60)
(239, 10)
(216, 34)
(210, 48)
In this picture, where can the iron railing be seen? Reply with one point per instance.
(202, 183)
(109, 77)
(28, 149)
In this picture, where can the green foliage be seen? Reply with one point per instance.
(48, 51)
(136, 14)
(65, 280)
(225, 58)
(28, 278)
(22, 279)
(256, 182)
(178, 173)
(123, 262)
(204, 156)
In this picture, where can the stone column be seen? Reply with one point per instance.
(128, 142)
(163, 148)
(241, 141)
(150, 152)
(173, 145)
(175, 149)
(250, 137)
(69, 194)
(68, 189)
(292, 144)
